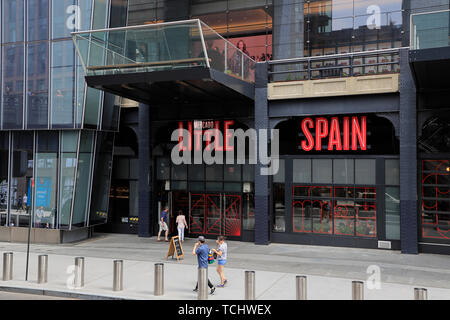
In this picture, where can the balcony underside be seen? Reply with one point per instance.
(180, 86)
(431, 69)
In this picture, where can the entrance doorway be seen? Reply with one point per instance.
(210, 213)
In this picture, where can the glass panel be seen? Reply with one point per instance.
(344, 217)
(65, 18)
(13, 20)
(197, 214)
(179, 172)
(214, 172)
(63, 84)
(231, 215)
(322, 216)
(392, 198)
(430, 30)
(196, 172)
(162, 169)
(343, 171)
(92, 108)
(13, 85)
(46, 180)
(22, 172)
(69, 143)
(280, 176)
(248, 173)
(302, 216)
(302, 171)
(214, 186)
(83, 181)
(102, 178)
(279, 208)
(366, 218)
(232, 173)
(37, 89)
(196, 186)
(249, 211)
(4, 161)
(392, 172)
(37, 24)
(322, 171)
(365, 170)
(232, 187)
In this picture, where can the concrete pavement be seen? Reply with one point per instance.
(330, 270)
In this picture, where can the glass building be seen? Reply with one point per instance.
(86, 132)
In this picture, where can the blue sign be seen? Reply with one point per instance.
(43, 192)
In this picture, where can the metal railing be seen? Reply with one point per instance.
(336, 65)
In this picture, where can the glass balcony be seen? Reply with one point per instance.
(160, 47)
(430, 30)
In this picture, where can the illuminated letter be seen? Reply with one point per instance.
(307, 123)
(335, 136)
(181, 146)
(321, 131)
(346, 134)
(360, 132)
(228, 135)
(218, 138)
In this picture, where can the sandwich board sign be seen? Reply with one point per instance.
(175, 249)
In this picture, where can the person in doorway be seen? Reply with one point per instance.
(25, 202)
(201, 250)
(38, 220)
(163, 225)
(181, 225)
(221, 252)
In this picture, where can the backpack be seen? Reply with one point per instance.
(210, 257)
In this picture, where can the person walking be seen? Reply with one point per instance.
(201, 250)
(221, 252)
(25, 202)
(181, 225)
(163, 226)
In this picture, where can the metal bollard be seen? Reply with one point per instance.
(43, 269)
(250, 285)
(357, 290)
(159, 279)
(79, 272)
(420, 294)
(301, 287)
(118, 275)
(202, 284)
(7, 266)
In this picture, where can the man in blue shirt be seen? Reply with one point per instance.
(163, 226)
(201, 250)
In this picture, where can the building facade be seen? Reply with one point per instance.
(364, 136)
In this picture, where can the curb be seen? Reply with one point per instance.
(60, 294)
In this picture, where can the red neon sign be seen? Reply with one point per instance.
(331, 129)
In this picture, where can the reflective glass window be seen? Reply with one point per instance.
(37, 85)
(365, 171)
(66, 17)
(302, 171)
(322, 171)
(21, 174)
(46, 180)
(4, 162)
(392, 198)
(343, 171)
(101, 178)
(13, 86)
(13, 20)
(37, 15)
(83, 179)
(63, 84)
(392, 172)
(69, 144)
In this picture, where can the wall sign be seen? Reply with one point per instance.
(342, 135)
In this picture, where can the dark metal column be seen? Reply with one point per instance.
(144, 170)
(262, 208)
(408, 158)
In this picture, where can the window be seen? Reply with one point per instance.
(13, 20)
(69, 144)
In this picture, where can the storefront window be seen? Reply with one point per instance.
(4, 162)
(392, 198)
(21, 174)
(69, 144)
(82, 188)
(46, 180)
(333, 203)
(435, 207)
(249, 211)
(279, 223)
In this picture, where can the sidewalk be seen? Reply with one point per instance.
(329, 270)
